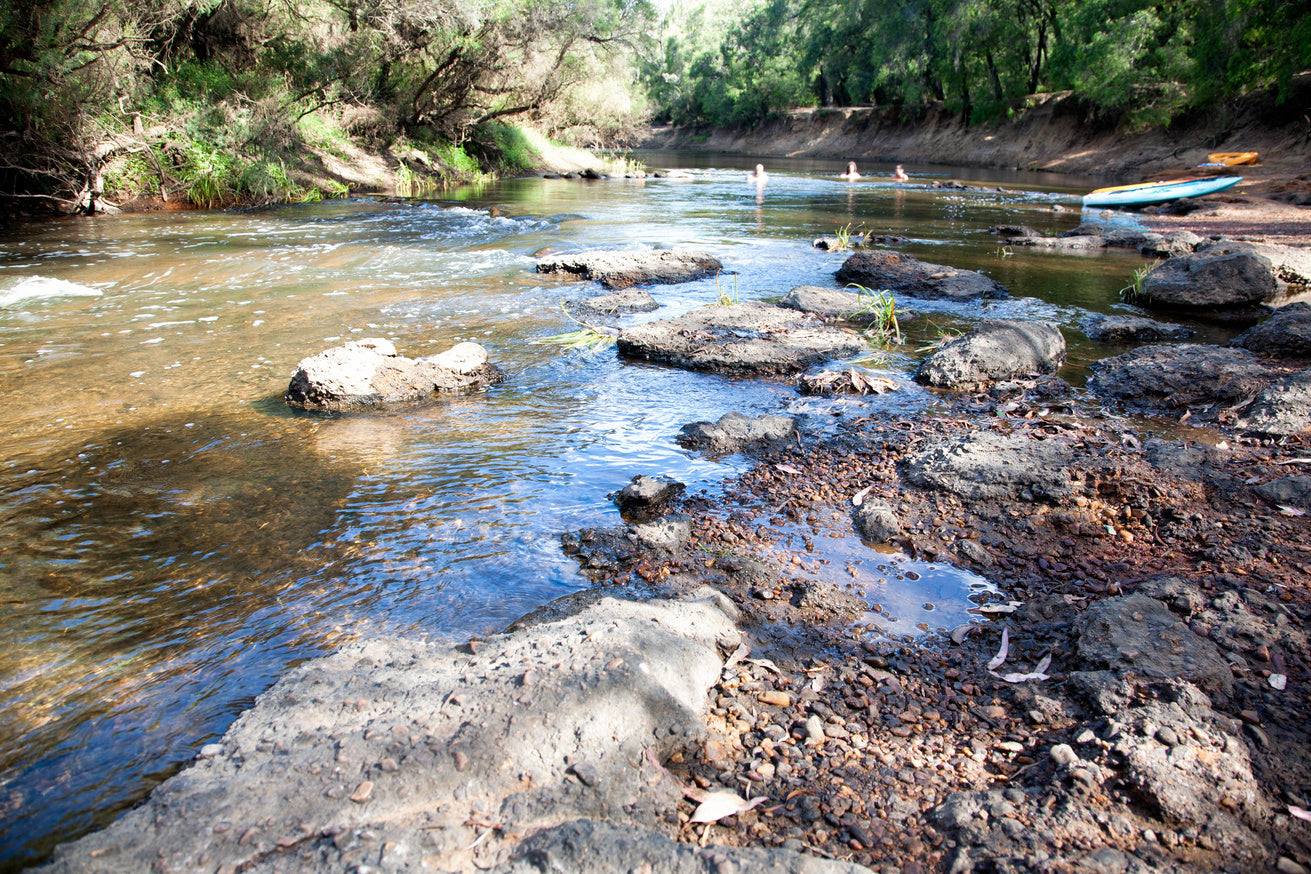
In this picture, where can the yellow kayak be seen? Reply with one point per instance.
(1232, 159)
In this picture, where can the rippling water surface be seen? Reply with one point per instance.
(172, 537)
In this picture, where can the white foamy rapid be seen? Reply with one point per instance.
(41, 288)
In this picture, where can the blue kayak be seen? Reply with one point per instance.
(1158, 192)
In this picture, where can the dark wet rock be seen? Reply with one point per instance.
(1043, 389)
(877, 522)
(736, 432)
(1139, 636)
(1291, 491)
(626, 300)
(985, 465)
(1014, 231)
(1177, 376)
(994, 350)
(873, 239)
(647, 495)
(1286, 334)
(1062, 243)
(904, 274)
(1281, 409)
(1124, 330)
(589, 847)
(369, 374)
(1227, 275)
(743, 338)
(474, 733)
(623, 269)
(832, 303)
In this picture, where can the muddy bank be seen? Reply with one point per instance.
(1052, 135)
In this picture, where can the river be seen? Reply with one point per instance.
(172, 537)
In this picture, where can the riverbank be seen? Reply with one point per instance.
(1131, 697)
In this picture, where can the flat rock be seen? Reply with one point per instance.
(747, 338)
(989, 465)
(1227, 274)
(1286, 334)
(1125, 330)
(590, 847)
(1062, 243)
(505, 734)
(619, 302)
(833, 303)
(1138, 636)
(647, 495)
(624, 269)
(994, 350)
(903, 274)
(737, 432)
(365, 374)
(1290, 491)
(1172, 377)
(1281, 409)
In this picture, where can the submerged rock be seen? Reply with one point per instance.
(1123, 330)
(904, 274)
(994, 350)
(1177, 376)
(626, 300)
(623, 269)
(368, 374)
(743, 338)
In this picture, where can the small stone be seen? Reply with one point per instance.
(1063, 755)
(775, 697)
(586, 774)
(389, 764)
(1167, 736)
(362, 792)
(209, 751)
(814, 730)
(1286, 865)
(461, 760)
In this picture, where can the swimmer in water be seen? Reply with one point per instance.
(851, 173)
(758, 175)
(900, 174)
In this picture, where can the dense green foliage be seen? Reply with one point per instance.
(214, 100)
(1142, 61)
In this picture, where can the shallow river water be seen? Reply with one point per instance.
(172, 537)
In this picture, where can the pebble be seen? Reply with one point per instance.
(775, 697)
(1062, 755)
(1286, 865)
(209, 751)
(362, 792)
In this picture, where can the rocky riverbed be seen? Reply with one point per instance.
(1132, 697)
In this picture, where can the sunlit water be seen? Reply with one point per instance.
(172, 537)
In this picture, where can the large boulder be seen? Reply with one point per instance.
(994, 350)
(985, 465)
(366, 374)
(749, 338)
(1227, 274)
(1281, 409)
(1286, 334)
(624, 269)
(1178, 376)
(905, 274)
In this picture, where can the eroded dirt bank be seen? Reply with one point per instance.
(1053, 135)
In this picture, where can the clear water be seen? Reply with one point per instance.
(172, 537)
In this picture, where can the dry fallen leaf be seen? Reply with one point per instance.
(1299, 812)
(1000, 657)
(787, 468)
(959, 633)
(1290, 511)
(717, 805)
(860, 496)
